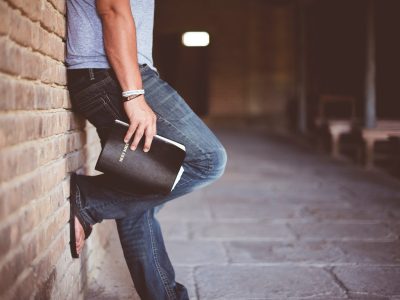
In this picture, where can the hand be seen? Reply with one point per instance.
(142, 121)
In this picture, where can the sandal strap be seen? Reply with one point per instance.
(86, 226)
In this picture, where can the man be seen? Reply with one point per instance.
(109, 51)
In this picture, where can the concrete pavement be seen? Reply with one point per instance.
(282, 223)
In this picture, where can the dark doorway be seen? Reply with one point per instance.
(387, 58)
(336, 45)
(184, 68)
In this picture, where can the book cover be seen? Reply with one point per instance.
(157, 170)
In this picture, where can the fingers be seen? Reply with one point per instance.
(147, 129)
(150, 132)
(149, 139)
(142, 122)
(131, 131)
(138, 135)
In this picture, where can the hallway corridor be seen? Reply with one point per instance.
(282, 223)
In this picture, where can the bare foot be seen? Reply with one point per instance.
(79, 235)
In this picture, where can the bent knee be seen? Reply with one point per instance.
(218, 162)
(208, 166)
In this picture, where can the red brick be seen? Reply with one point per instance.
(29, 218)
(32, 186)
(11, 57)
(15, 162)
(4, 18)
(18, 94)
(41, 141)
(52, 20)
(38, 279)
(59, 5)
(31, 8)
(31, 34)
(22, 29)
(35, 65)
(20, 127)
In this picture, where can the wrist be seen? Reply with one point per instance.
(132, 94)
(132, 80)
(132, 100)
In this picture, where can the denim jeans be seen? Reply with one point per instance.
(96, 95)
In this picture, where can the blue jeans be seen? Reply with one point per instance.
(96, 94)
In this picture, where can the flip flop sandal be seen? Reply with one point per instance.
(75, 207)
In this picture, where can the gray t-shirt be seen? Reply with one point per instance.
(85, 47)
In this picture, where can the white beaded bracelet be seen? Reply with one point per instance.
(132, 93)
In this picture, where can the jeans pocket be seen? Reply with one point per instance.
(79, 80)
(96, 107)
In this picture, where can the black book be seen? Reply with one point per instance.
(157, 170)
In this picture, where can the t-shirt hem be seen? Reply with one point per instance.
(101, 66)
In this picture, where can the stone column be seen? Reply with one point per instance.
(370, 79)
(302, 67)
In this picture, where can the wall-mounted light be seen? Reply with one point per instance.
(196, 39)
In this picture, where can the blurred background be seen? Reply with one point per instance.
(261, 51)
(303, 94)
(322, 69)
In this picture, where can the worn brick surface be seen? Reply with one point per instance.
(41, 142)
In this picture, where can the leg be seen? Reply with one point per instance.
(147, 259)
(104, 201)
(204, 163)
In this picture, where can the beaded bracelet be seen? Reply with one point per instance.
(131, 97)
(132, 92)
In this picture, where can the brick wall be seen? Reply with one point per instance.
(41, 142)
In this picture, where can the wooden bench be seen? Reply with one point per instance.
(382, 131)
(336, 126)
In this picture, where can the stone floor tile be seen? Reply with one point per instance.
(240, 231)
(260, 282)
(365, 296)
(189, 207)
(314, 252)
(283, 252)
(371, 280)
(193, 252)
(340, 231)
(174, 230)
(254, 211)
(346, 213)
(370, 253)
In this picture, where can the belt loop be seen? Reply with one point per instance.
(91, 74)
